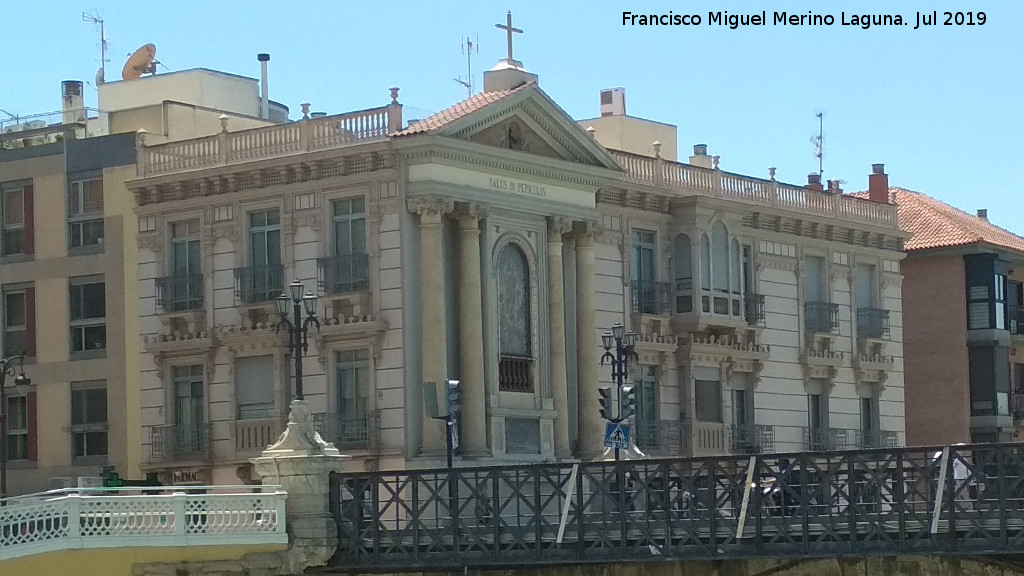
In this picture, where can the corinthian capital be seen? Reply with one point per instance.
(430, 205)
(557, 226)
(472, 211)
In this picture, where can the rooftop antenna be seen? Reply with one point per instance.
(95, 19)
(469, 48)
(819, 142)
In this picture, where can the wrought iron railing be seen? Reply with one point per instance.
(751, 438)
(966, 499)
(664, 436)
(823, 439)
(872, 323)
(651, 297)
(1016, 316)
(515, 374)
(876, 439)
(177, 443)
(350, 430)
(180, 293)
(754, 308)
(349, 273)
(821, 317)
(256, 284)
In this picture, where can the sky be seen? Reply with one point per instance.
(939, 105)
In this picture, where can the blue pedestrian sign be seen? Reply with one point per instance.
(616, 435)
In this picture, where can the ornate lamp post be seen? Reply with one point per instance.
(7, 369)
(298, 327)
(623, 344)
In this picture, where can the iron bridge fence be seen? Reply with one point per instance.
(939, 500)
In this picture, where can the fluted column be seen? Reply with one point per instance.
(473, 435)
(433, 340)
(556, 324)
(591, 431)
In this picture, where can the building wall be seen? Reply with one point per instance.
(938, 394)
(636, 135)
(217, 90)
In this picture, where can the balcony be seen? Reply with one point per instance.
(873, 323)
(825, 439)
(696, 308)
(754, 308)
(350, 430)
(1016, 317)
(348, 273)
(876, 439)
(752, 438)
(257, 284)
(664, 436)
(180, 293)
(821, 317)
(179, 443)
(515, 374)
(651, 297)
(253, 436)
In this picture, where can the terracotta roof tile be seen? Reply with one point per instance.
(460, 110)
(935, 224)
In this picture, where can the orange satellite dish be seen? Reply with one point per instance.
(140, 62)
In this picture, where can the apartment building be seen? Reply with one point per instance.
(494, 243)
(68, 267)
(965, 324)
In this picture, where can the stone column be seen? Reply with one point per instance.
(473, 435)
(433, 339)
(591, 430)
(556, 324)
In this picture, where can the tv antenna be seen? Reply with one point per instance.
(95, 19)
(819, 142)
(469, 48)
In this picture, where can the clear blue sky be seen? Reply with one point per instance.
(940, 106)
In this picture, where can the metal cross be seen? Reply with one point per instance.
(509, 30)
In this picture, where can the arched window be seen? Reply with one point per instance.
(683, 264)
(705, 263)
(515, 371)
(719, 257)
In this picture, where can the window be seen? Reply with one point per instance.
(184, 289)
(15, 220)
(646, 385)
(89, 418)
(263, 280)
(708, 400)
(347, 271)
(1000, 301)
(17, 428)
(866, 286)
(1015, 307)
(254, 387)
(189, 434)
(88, 316)
(683, 263)
(19, 322)
(719, 257)
(814, 274)
(85, 213)
(352, 398)
(741, 409)
(515, 373)
(644, 290)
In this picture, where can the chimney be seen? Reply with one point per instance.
(878, 184)
(613, 102)
(263, 57)
(814, 181)
(700, 156)
(983, 214)
(73, 105)
(833, 187)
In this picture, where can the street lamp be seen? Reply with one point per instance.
(7, 369)
(623, 344)
(298, 327)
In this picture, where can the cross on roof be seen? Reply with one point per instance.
(509, 30)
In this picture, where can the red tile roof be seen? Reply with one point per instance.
(935, 224)
(458, 111)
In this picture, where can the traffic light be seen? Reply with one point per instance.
(454, 398)
(628, 402)
(607, 411)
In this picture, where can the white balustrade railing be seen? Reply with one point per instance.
(689, 179)
(81, 518)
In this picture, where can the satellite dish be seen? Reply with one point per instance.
(99, 76)
(140, 62)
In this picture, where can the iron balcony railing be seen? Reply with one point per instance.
(665, 436)
(1016, 316)
(826, 439)
(651, 297)
(180, 293)
(751, 438)
(255, 284)
(821, 317)
(921, 501)
(177, 443)
(348, 273)
(754, 305)
(872, 323)
(876, 439)
(350, 430)
(515, 374)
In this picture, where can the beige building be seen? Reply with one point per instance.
(68, 266)
(493, 243)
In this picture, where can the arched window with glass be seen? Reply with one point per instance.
(515, 364)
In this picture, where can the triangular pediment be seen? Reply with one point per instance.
(528, 121)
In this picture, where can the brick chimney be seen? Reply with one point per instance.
(983, 214)
(878, 184)
(814, 181)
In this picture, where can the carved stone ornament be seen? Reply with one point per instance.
(430, 205)
(473, 211)
(558, 226)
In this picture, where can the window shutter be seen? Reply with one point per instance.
(30, 221)
(30, 322)
(32, 428)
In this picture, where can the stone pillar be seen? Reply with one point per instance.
(434, 348)
(591, 430)
(473, 435)
(301, 463)
(556, 325)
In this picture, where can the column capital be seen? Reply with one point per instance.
(470, 213)
(584, 231)
(430, 205)
(557, 226)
